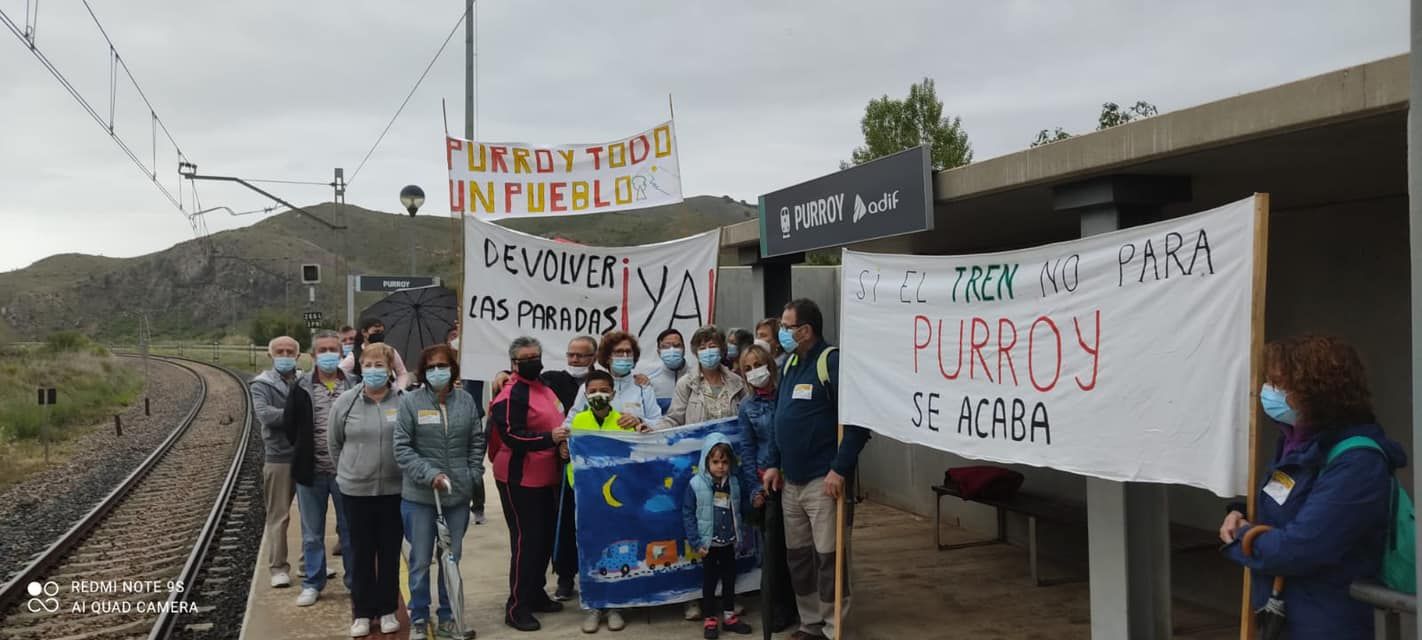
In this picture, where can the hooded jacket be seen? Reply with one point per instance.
(1330, 528)
(269, 392)
(431, 439)
(698, 509)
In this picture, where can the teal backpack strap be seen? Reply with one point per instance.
(1348, 444)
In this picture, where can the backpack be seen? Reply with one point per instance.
(1400, 555)
(821, 368)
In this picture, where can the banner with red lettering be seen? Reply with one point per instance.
(520, 180)
(1122, 356)
(517, 284)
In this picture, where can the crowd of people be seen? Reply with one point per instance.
(390, 448)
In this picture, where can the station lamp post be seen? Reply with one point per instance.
(412, 197)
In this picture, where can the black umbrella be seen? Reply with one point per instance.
(1271, 616)
(415, 319)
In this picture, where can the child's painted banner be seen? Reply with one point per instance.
(632, 548)
(516, 285)
(1122, 356)
(520, 180)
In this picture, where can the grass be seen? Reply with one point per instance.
(91, 385)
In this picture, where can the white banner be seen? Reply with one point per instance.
(516, 285)
(1122, 356)
(521, 180)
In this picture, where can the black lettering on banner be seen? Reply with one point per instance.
(920, 420)
(1170, 253)
(687, 282)
(1015, 426)
(1122, 260)
(908, 275)
(1019, 428)
(656, 298)
(874, 294)
(1202, 243)
(1148, 255)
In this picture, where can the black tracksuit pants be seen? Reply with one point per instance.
(375, 534)
(720, 568)
(531, 514)
(565, 563)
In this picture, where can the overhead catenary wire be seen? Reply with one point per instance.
(413, 89)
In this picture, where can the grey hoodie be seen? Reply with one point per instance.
(361, 441)
(269, 393)
(430, 440)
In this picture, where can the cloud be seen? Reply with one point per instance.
(766, 94)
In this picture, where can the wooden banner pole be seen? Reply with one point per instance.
(1256, 379)
(839, 552)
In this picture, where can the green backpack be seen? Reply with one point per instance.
(1400, 555)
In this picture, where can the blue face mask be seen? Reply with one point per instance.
(1276, 404)
(787, 340)
(346, 349)
(328, 361)
(733, 351)
(283, 364)
(438, 377)
(621, 366)
(710, 357)
(673, 358)
(375, 377)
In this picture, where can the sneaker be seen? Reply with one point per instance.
(734, 623)
(552, 606)
(693, 610)
(592, 621)
(711, 629)
(615, 621)
(419, 630)
(389, 623)
(564, 593)
(528, 623)
(308, 597)
(447, 631)
(280, 580)
(360, 628)
(739, 609)
(479, 516)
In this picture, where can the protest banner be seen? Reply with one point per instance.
(522, 285)
(1125, 356)
(520, 180)
(629, 490)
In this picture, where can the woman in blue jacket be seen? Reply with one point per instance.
(757, 418)
(1330, 519)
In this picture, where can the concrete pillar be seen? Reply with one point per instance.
(1128, 523)
(770, 288)
(1414, 190)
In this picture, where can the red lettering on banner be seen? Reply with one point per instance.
(555, 196)
(632, 149)
(543, 159)
(919, 346)
(1032, 348)
(1094, 350)
(511, 189)
(1005, 350)
(456, 196)
(596, 153)
(598, 202)
(451, 147)
(959, 370)
(978, 348)
(497, 164)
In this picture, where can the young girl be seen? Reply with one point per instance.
(710, 513)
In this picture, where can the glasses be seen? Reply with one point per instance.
(622, 352)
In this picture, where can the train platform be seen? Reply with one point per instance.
(904, 588)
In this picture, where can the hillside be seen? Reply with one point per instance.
(214, 285)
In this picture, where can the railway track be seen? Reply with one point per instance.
(131, 567)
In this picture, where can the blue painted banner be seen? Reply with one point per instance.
(632, 549)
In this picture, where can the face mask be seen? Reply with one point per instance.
(758, 377)
(787, 340)
(375, 377)
(673, 358)
(283, 364)
(328, 361)
(600, 401)
(375, 337)
(733, 351)
(346, 349)
(1276, 405)
(709, 358)
(621, 366)
(529, 369)
(438, 377)
(578, 372)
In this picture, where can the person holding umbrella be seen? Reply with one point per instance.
(372, 331)
(1325, 507)
(439, 445)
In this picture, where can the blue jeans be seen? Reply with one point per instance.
(311, 500)
(419, 521)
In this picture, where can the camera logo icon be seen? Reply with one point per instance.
(47, 604)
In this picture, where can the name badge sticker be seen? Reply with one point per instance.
(803, 392)
(427, 416)
(1279, 487)
(390, 415)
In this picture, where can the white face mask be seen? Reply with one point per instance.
(578, 372)
(758, 377)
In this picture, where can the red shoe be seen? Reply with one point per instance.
(734, 624)
(711, 629)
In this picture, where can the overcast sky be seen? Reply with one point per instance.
(767, 94)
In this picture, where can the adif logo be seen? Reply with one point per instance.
(784, 222)
(888, 202)
(49, 604)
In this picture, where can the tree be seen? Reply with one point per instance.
(891, 125)
(1111, 115)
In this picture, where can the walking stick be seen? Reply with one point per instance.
(839, 555)
(558, 527)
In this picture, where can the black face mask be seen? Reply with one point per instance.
(375, 337)
(529, 369)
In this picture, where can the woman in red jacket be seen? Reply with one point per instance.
(528, 420)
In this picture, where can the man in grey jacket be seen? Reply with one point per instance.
(269, 392)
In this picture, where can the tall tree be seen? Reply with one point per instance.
(892, 125)
(1112, 115)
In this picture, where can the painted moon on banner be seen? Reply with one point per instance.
(607, 492)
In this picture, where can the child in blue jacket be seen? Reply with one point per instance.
(710, 513)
